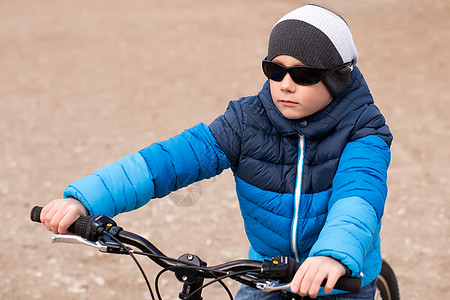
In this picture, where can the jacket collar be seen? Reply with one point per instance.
(323, 122)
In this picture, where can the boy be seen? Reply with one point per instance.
(309, 153)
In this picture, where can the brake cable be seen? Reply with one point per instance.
(135, 260)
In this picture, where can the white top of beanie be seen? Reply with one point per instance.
(331, 25)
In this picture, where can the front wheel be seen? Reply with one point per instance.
(387, 286)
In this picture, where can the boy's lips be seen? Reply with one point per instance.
(288, 102)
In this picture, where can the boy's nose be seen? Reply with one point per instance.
(287, 84)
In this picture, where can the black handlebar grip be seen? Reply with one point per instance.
(35, 214)
(79, 227)
(349, 284)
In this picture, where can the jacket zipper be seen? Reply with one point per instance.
(297, 194)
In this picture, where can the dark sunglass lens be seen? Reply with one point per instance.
(305, 76)
(273, 71)
(277, 75)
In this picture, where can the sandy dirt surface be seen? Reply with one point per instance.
(84, 83)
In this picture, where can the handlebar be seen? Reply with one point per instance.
(92, 228)
(103, 233)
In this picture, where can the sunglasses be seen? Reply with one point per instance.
(299, 74)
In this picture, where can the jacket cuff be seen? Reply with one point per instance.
(348, 233)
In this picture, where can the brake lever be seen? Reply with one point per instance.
(76, 239)
(270, 286)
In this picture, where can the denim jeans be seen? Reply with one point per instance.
(248, 293)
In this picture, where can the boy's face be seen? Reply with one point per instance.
(297, 101)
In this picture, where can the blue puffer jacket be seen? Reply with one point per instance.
(308, 187)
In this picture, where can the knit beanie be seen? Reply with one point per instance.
(318, 38)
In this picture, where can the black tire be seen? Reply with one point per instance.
(387, 286)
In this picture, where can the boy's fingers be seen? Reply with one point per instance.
(68, 219)
(298, 278)
(55, 221)
(331, 282)
(48, 217)
(59, 214)
(312, 273)
(307, 281)
(44, 213)
(315, 284)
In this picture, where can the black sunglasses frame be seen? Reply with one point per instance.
(300, 74)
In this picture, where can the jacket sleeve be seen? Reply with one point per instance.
(357, 203)
(153, 172)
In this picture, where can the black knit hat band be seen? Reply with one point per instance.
(318, 38)
(304, 42)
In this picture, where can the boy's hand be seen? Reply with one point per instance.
(59, 214)
(313, 271)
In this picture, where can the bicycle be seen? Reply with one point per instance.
(102, 233)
